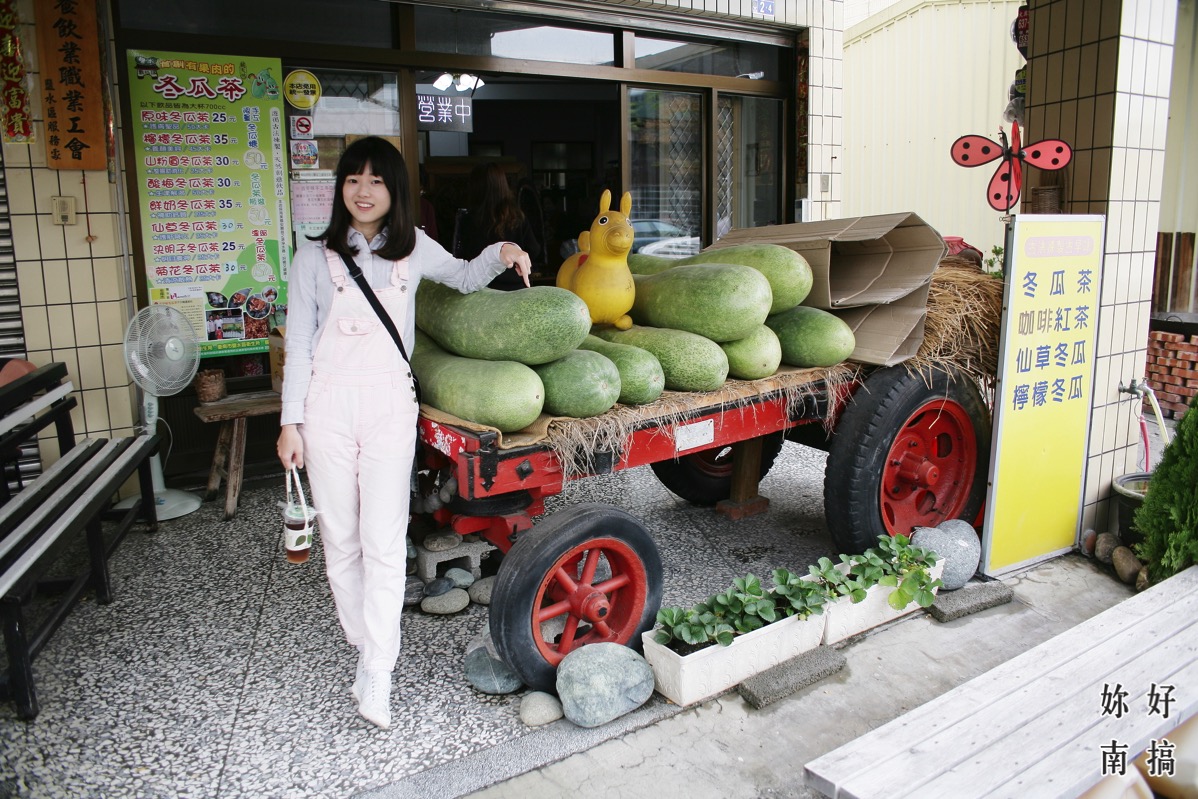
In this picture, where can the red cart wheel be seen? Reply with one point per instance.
(588, 574)
(906, 454)
(705, 478)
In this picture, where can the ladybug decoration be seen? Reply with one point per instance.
(1003, 191)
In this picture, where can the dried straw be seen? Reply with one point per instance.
(963, 321)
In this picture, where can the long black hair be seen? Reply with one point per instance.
(386, 162)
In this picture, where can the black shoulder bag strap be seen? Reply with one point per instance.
(384, 317)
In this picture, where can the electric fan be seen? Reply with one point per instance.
(162, 355)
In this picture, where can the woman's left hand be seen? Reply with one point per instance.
(515, 258)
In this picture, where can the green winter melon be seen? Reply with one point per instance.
(641, 264)
(812, 337)
(641, 377)
(755, 356)
(689, 362)
(502, 394)
(788, 273)
(580, 384)
(532, 326)
(721, 302)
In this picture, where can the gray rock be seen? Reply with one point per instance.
(483, 639)
(413, 591)
(1126, 564)
(450, 602)
(490, 675)
(538, 708)
(957, 542)
(1142, 579)
(411, 549)
(460, 577)
(442, 542)
(1105, 545)
(601, 682)
(439, 586)
(1089, 539)
(480, 591)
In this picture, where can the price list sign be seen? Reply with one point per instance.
(1045, 389)
(212, 191)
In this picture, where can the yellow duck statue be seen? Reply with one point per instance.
(598, 272)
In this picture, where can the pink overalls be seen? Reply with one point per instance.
(359, 435)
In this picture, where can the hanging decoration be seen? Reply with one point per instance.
(1003, 192)
(14, 91)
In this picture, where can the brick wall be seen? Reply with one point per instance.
(1172, 371)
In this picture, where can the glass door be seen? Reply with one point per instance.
(748, 142)
(666, 169)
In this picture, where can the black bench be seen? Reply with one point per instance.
(39, 518)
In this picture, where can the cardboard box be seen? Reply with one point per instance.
(879, 266)
(891, 333)
(278, 355)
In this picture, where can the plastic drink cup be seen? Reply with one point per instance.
(298, 530)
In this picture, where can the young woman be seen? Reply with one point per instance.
(349, 405)
(495, 215)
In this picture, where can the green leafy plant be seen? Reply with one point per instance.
(839, 578)
(1168, 519)
(796, 595)
(994, 261)
(747, 606)
(908, 570)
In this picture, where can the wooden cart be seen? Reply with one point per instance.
(906, 449)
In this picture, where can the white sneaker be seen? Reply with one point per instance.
(359, 678)
(375, 704)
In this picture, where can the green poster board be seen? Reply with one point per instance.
(211, 162)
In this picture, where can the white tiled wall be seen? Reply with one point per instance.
(824, 21)
(74, 298)
(826, 109)
(1116, 108)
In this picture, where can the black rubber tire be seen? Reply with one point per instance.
(705, 478)
(867, 429)
(530, 564)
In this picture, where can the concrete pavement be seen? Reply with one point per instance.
(724, 749)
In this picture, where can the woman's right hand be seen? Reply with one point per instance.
(291, 447)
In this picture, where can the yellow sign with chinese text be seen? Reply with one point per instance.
(1045, 389)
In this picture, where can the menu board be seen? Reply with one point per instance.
(212, 194)
(1045, 389)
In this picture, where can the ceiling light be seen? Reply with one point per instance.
(468, 82)
(444, 82)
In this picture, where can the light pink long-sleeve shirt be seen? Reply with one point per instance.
(310, 298)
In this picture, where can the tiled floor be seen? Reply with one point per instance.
(219, 669)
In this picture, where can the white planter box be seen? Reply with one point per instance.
(846, 619)
(687, 679)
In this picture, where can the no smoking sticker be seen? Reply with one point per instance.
(301, 127)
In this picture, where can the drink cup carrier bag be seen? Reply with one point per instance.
(309, 515)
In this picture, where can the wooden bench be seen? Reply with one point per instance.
(43, 516)
(1035, 726)
(228, 461)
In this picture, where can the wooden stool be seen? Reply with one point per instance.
(228, 461)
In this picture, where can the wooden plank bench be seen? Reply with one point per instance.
(1035, 726)
(37, 522)
(228, 461)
